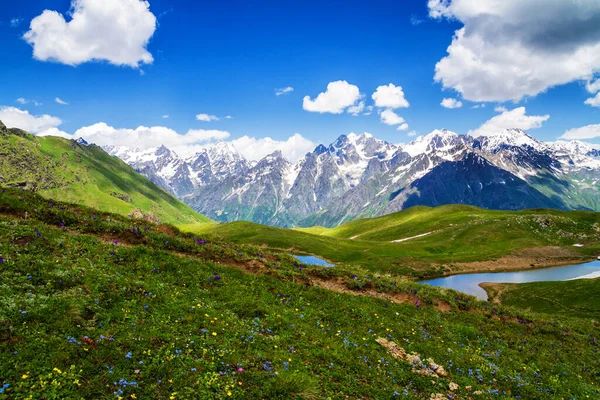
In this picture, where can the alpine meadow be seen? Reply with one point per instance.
(316, 200)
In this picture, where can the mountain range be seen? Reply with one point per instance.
(360, 176)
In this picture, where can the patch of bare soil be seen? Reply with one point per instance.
(541, 257)
(495, 290)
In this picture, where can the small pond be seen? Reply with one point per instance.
(469, 283)
(312, 260)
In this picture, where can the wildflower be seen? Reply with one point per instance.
(25, 376)
(214, 333)
(1, 260)
(240, 369)
(128, 355)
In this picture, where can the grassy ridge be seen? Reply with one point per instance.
(160, 314)
(574, 298)
(453, 234)
(64, 170)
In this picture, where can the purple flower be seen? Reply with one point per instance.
(115, 242)
(217, 277)
(1, 260)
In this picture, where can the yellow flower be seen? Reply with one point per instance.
(214, 333)
(228, 393)
(57, 370)
(25, 376)
(133, 396)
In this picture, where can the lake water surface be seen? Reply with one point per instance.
(469, 283)
(312, 260)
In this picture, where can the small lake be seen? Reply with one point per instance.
(312, 260)
(469, 283)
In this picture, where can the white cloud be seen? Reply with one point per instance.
(16, 22)
(146, 137)
(585, 132)
(594, 101)
(412, 133)
(339, 96)
(511, 49)
(390, 96)
(228, 117)
(116, 31)
(500, 109)
(59, 101)
(594, 86)
(516, 118)
(402, 127)
(356, 109)
(207, 117)
(17, 118)
(415, 21)
(21, 100)
(451, 103)
(166, 116)
(389, 117)
(293, 149)
(282, 91)
(482, 105)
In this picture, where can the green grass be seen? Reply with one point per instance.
(60, 169)
(83, 317)
(573, 298)
(455, 234)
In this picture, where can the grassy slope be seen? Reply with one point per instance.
(458, 234)
(99, 316)
(60, 169)
(579, 297)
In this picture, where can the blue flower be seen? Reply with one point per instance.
(128, 355)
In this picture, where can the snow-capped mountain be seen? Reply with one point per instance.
(361, 176)
(184, 176)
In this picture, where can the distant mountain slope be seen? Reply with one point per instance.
(474, 181)
(85, 174)
(360, 176)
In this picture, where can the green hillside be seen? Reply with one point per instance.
(446, 235)
(575, 298)
(61, 169)
(92, 306)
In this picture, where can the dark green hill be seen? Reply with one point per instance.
(65, 170)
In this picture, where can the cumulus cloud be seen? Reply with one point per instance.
(356, 109)
(451, 103)
(207, 117)
(16, 22)
(144, 137)
(282, 91)
(17, 118)
(116, 31)
(402, 127)
(339, 96)
(500, 109)
(390, 96)
(389, 117)
(594, 86)
(166, 116)
(516, 118)
(584, 132)
(62, 102)
(293, 149)
(594, 101)
(511, 49)
(411, 133)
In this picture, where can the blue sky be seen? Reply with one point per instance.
(228, 58)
